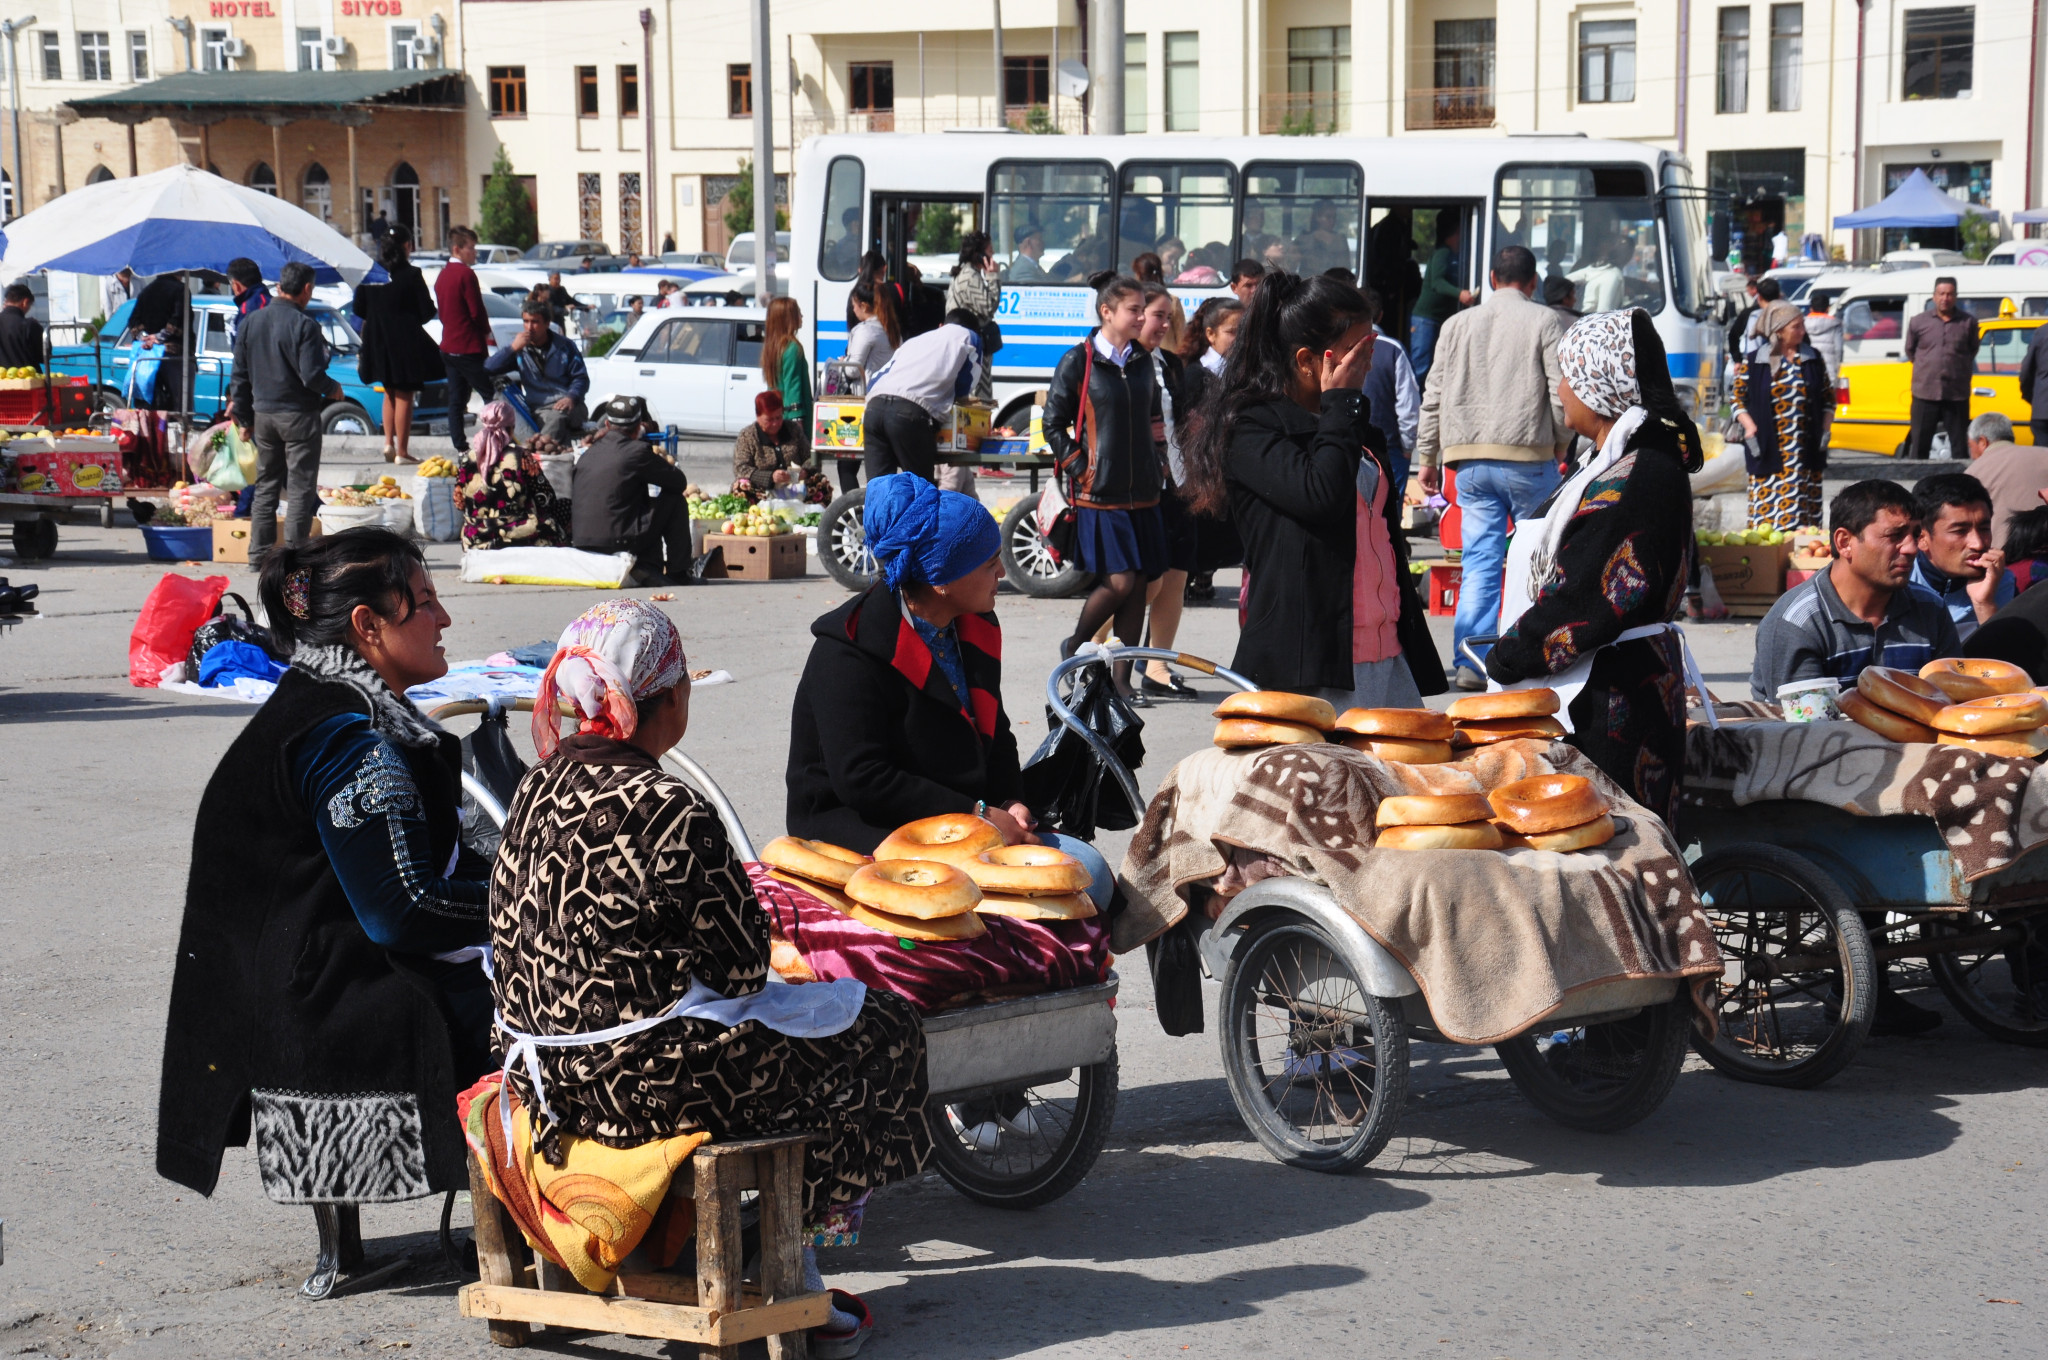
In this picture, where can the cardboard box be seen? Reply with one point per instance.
(837, 424)
(750, 558)
(1748, 573)
(964, 431)
(231, 538)
(70, 470)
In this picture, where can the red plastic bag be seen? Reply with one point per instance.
(169, 618)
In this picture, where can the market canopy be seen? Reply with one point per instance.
(1915, 203)
(336, 96)
(2031, 215)
(176, 219)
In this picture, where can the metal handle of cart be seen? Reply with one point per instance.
(1477, 640)
(1102, 654)
(696, 775)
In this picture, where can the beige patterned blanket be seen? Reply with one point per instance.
(1494, 939)
(1989, 809)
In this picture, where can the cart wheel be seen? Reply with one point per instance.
(2002, 991)
(1799, 986)
(1318, 1065)
(1023, 1148)
(1028, 559)
(1602, 1078)
(842, 547)
(107, 515)
(35, 539)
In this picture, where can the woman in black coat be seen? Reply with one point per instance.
(397, 351)
(327, 990)
(1286, 444)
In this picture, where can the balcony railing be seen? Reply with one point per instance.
(904, 118)
(1464, 107)
(1305, 114)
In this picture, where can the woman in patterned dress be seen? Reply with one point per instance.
(504, 496)
(1787, 406)
(615, 889)
(1616, 558)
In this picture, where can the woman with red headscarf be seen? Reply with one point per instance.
(618, 904)
(769, 454)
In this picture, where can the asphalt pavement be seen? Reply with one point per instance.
(1896, 1211)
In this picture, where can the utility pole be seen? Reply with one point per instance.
(649, 195)
(9, 28)
(1106, 74)
(764, 159)
(1002, 114)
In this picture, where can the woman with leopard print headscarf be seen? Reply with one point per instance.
(1593, 583)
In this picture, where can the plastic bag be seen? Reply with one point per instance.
(143, 367)
(169, 618)
(223, 457)
(1065, 777)
(1176, 963)
(433, 509)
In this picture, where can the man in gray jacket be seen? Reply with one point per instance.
(1490, 406)
(280, 387)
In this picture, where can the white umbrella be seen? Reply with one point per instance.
(176, 219)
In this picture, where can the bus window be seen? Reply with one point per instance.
(1176, 210)
(839, 257)
(1303, 218)
(1595, 224)
(1983, 308)
(1050, 220)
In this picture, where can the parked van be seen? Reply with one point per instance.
(1874, 309)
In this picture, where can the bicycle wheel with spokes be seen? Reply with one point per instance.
(1317, 1065)
(1798, 987)
(1994, 972)
(1601, 1078)
(1018, 1149)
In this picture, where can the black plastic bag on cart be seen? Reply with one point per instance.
(488, 757)
(1175, 961)
(1065, 779)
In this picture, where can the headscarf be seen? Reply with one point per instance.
(1774, 317)
(611, 656)
(493, 434)
(1598, 358)
(919, 533)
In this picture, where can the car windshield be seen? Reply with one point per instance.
(341, 337)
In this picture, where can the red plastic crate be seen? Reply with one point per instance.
(71, 403)
(1440, 584)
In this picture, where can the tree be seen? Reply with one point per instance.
(506, 214)
(938, 229)
(1039, 122)
(739, 203)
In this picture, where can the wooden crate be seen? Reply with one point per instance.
(750, 558)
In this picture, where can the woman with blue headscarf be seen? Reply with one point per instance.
(899, 714)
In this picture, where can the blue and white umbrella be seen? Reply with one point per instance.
(180, 218)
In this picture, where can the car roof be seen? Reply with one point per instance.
(636, 337)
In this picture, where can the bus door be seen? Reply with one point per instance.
(923, 230)
(1401, 241)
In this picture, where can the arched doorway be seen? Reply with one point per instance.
(100, 175)
(316, 193)
(405, 199)
(263, 179)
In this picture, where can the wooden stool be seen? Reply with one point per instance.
(520, 1288)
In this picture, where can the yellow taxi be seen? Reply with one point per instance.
(1874, 401)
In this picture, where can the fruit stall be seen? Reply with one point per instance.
(48, 476)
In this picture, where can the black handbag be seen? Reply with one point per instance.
(225, 627)
(1063, 534)
(1065, 779)
(991, 338)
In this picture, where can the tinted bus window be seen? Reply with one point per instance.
(1301, 217)
(1050, 220)
(839, 258)
(1180, 211)
(1595, 224)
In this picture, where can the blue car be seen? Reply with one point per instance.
(360, 410)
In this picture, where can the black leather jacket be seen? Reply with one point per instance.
(1120, 467)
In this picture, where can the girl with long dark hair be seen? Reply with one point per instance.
(784, 366)
(1099, 414)
(397, 351)
(1286, 445)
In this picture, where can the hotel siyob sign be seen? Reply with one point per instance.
(262, 9)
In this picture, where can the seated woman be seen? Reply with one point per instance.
(616, 893)
(899, 714)
(505, 498)
(327, 987)
(770, 452)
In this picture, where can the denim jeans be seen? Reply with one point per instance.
(1491, 491)
(1422, 345)
(1098, 867)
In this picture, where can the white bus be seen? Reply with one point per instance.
(1371, 205)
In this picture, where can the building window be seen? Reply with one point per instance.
(871, 86)
(312, 55)
(1183, 82)
(1318, 79)
(590, 207)
(95, 57)
(316, 193)
(629, 92)
(1939, 52)
(1134, 82)
(6, 196)
(586, 92)
(629, 212)
(739, 92)
(1607, 61)
(138, 56)
(1788, 46)
(403, 58)
(53, 56)
(1731, 85)
(1463, 69)
(213, 43)
(508, 91)
(1026, 81)
(262, 178)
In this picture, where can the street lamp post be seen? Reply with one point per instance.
(8, 28)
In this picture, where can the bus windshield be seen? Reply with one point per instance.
(1302, 217)
(1594, 224)
(1685, 227)
(1050, 220)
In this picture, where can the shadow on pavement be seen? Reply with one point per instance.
(44, 705)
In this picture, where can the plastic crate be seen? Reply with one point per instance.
(70, 402)
(1009, 446)
(1441, 589)
(180, 544)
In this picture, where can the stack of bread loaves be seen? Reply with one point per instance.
(1973, 702)
(904, 889)
(1507, 715)
(1265, 717)
(1546, 812)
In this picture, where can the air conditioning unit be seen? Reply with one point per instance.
(425, 47)
(334, 45)
(234, 49)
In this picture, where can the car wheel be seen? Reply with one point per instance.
(345, 417)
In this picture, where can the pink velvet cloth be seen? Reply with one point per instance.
(1015, 958)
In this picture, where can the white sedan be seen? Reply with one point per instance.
(697, 367)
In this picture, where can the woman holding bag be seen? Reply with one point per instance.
(1786, 403)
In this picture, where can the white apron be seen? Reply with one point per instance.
(1533, 550)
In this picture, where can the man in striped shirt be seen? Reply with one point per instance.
(1861, 611)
